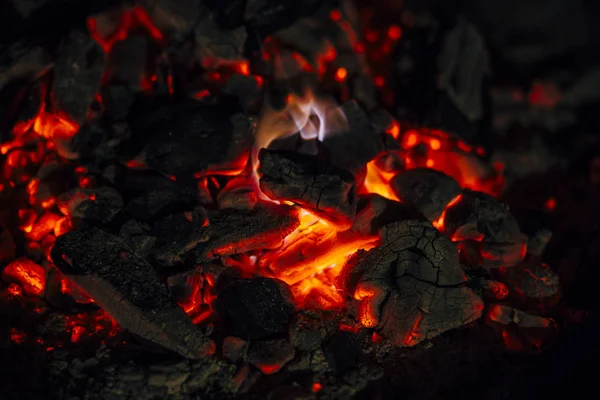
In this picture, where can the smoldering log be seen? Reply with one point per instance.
(126, 286)
(427, 190)
(324, 189)
(411, 287)
(204, 237)
(77, 74)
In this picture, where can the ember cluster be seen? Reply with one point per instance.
(159, 193)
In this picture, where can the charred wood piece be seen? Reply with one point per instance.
(326, 190)
(255, 308)
(427, 190)
(200, 238)
(411, 287)
(353, 149)
(127, 287)
(198, 139)
(78, 71)
(483, 221)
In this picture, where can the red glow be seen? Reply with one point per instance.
(201, 94)
(14, 290)
(341, 74)
(394, 130)
(439, 223)
(130, 20)
(550, 204)
(499, 289)
(335, 15)
(394, 32)
(17, 336)
(316, 387)
(28, 274)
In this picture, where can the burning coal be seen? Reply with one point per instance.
(145, 202)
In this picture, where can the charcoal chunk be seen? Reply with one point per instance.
(235, 349)
(310, 329)
(77, 74)
(353, 149)
(479, 217)
(127, 287)
(428, 190)
(197, 139)
(271, 355)
(255, 308)
(224, 233)
(137, 236)
(376, 211)
(91, 205)
(326, 190)
(411, 287)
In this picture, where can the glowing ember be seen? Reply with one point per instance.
(28, 274)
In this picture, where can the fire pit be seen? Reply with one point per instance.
(266, 199)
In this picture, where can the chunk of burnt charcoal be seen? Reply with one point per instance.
(271, 355)
(411, 287)
(534, 281)
(127, 288)
(480, 218)
(199, 138)
(269, 16)
(137, 236)
(238, 194)
(428, 190)
(519, 330)
(326, 190)
(235, 349)
(354, 148)
(175, 18)
(310, 328)
(343, 351)
(226, 233)
(214, 45)
(375, 211)
(77, 74)
(117, 99)
(22, 60)
(255, 308)
(91, 205)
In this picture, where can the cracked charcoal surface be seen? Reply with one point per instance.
(126, 286)
(326, 190)
(195, 138)
(228, 232)
(77, 74)
(478, 214)
(255, 308)
(427, 190)
(414, 284)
